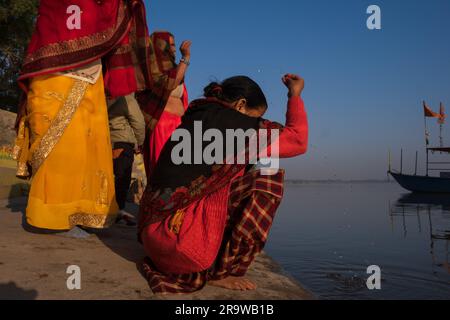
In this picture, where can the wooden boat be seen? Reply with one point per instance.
(422, 184)
(425, 184)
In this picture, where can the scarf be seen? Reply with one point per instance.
(161, 77)
(174, 187)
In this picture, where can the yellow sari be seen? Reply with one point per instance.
(66, 129)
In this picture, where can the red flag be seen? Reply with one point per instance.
(428, 112)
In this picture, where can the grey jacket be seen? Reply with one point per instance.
(126, 121)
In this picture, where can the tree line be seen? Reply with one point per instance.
(17, 19)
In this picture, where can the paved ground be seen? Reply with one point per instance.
(33, 266)
(10, 186)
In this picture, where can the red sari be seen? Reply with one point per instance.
(214, 226)
(115, 31)
(160, 124)
(166, 125)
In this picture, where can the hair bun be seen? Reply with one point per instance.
(213, 90)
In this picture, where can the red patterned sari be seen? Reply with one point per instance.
(207, 222)
(160, 123)
(115, 31)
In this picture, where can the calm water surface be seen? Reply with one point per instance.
(327, 234)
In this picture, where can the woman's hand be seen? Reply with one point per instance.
(294, 83)
(185, 49)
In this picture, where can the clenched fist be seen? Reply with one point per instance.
(294, 83)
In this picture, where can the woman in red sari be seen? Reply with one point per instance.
(168, 90)
(205, 223)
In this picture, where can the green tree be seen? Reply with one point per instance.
(17, 19)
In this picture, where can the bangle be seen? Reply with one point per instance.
(185, 61)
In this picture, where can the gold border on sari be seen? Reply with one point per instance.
(96, 221)
(59, 124)
(80, 44)
(21, 150)
(22, 170)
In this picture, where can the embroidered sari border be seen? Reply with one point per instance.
(59, 124)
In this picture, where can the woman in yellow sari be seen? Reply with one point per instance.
(63, 141)
(70, 154)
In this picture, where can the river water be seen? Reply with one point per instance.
(326, 235)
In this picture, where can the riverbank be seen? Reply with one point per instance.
(33, 266)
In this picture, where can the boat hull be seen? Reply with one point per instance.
(422, 184)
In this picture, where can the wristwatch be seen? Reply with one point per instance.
(185, 61)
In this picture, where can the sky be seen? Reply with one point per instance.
(364, 88)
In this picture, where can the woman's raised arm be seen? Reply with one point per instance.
(293, 138)
(185, 50)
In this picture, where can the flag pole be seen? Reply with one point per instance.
(389, 164)
(441, 123)
(417, 156)
(426, 127)
(426, 134)
(389, 160)
(401, 161)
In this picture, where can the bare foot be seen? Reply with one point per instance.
(234, 283)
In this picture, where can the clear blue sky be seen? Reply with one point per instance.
(363, 88)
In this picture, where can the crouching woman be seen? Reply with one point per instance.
(203, 222)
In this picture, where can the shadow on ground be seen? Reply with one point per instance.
(19, 205)
(122, 239)
(10, 291)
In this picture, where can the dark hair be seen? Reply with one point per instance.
(235, 88)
